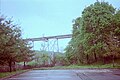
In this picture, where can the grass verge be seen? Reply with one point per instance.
(80, 67)
(8, 74)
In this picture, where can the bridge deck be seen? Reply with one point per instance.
(49, 37)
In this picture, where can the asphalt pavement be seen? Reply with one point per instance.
(80, 74)
(47, 75)
(98, 74)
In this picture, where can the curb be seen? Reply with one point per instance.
(5, 78)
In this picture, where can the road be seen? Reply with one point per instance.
(81, 74)
(47, 75)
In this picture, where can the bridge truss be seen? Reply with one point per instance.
(49, 43)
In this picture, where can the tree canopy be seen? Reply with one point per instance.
(96, 35)
(12, 47)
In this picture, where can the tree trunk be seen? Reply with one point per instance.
(10, 66)
(24, 64)
(87, 59)
(95, 56)
(14, 66)
(104, 60)
(113, 61)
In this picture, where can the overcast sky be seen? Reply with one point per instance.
(46, 17)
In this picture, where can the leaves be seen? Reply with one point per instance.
(94, 33)
(12, 47)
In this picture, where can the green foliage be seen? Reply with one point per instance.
(42, 58)
(12, 47)
(60, 59)
(96, 35)
(46, 58)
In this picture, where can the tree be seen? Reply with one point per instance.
(42, 58)
(9, 36)
(97, 20)
(60, 59)
(10, 43)
(26, 54)
(95, 34)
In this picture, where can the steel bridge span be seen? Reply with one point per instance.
(49, 37)
(49, 42)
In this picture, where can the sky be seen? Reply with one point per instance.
(39, 18)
